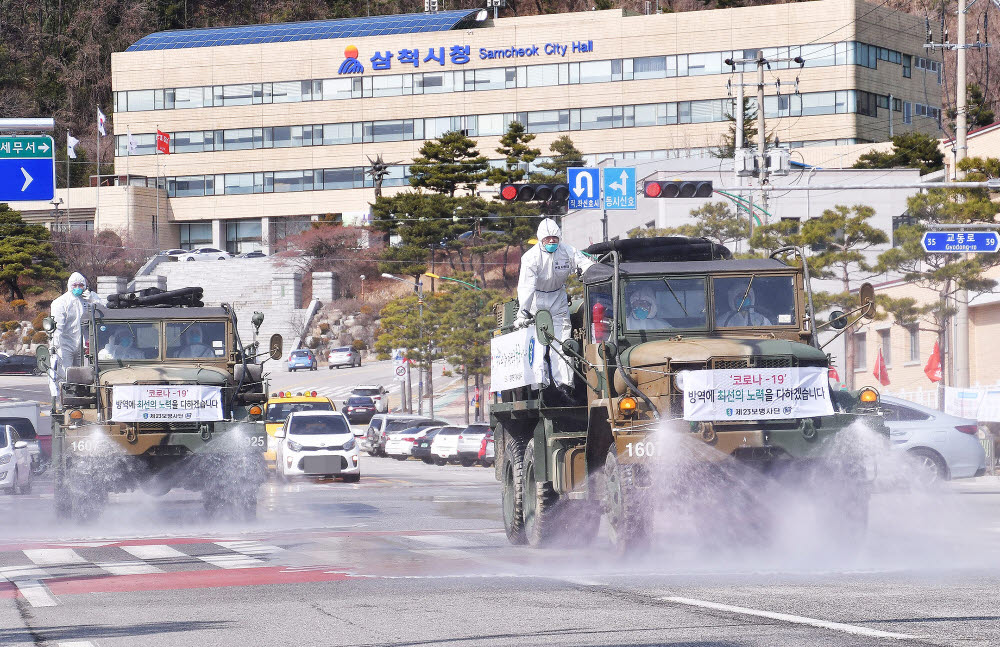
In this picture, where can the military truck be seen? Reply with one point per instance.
(168, 396)
(674, 336)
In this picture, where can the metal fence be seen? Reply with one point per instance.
(925, 397)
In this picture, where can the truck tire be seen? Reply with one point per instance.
(512, 491)
(538, 503)
(628, 519)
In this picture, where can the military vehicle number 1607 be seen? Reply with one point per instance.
(640, 449)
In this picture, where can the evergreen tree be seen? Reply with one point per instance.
(25, 253)
(727, 149)
(448, 163)
(713, 220)
(517, 155)
(977, 108)
(915, 150)
(566, 155)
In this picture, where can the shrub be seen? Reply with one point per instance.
(40, 337)
(11, 325)
(367, 310)
(358, 344)
(34, 290)
(19, 304)
(36, 323)
(324, 328)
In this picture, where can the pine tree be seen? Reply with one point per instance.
(914, 150)
(727, 149)
(566, 155)
(517, 155)
(713, 220)
(448, 163)
(977, 108)
(25, 252)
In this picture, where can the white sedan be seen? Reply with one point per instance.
(444, 449)
(399, 444)
(317, 443)
(205, 254)
(15, 462)
(943, 446)
(470, 441)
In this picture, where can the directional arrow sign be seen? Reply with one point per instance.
(619, 188)
(27, 168)
(584, 188)
(960, 242)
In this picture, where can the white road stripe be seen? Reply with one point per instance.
(128, 568)
(443, 541)
(36, 593)
(77, 643)
(54, 556)
(250, 547)
(784, 617)
(14, 573)
(154, 551)
(231, 561)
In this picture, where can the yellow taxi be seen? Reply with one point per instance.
(283, 403)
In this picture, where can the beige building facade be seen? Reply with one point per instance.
(273, 125)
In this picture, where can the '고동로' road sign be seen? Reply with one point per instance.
(959, 242)
(584, 188)
(27, 168)
(619, 188)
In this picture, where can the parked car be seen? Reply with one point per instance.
(378, 393)
(944, 446)
(487, 451)
(470, 441)
(444, 449)
(24, 364)
(317, 443)
(254, 254)
(172, 252)
(422, 446)
(383, 424)
(302, 358)
(399, 444)
(343, 356)
(15, 462)
(204, 254)
(359, 409)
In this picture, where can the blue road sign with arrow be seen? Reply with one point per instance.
(27, 168)
(584, 188)
(960, 242)
(619, 188)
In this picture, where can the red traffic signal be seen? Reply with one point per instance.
(556, 193)
(676, 189)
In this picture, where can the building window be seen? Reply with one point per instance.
(907, 112)
(860, 351)
(885, 343)
(913, 332)
(243, 236)
(195, 234)
(907, 67)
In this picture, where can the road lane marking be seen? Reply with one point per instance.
(784, 617)
(54, 556)
(234, 560)
(128, 568)
(250, 547)
(36, 593)
(154, 551)
(14, 573)
(442, 541)
(77, 643)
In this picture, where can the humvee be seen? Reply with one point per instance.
(168, 396)
(658, 315)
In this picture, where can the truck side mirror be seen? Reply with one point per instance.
(838, 320)
(279, 433)
(544, 328)
(49, 324)
(276, 346)
(43, 361)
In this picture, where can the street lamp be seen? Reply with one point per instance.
(419, 287)
(55, 212)
(362, 287)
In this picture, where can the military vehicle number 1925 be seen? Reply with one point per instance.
(256, 441)
(640, 450)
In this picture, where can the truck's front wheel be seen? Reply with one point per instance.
(512, 492)
(628, 518)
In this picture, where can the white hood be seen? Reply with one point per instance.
(76, 277)
(546, 228)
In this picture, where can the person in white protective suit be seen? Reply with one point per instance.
(67, 312)
(121, 345)
(542, 286)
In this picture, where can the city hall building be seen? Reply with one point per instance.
(273, 125)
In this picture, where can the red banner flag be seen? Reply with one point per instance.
(163, 142)
(933, 368)
(880, 372)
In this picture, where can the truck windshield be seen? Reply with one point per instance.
(665, 303)
(128, 341)
(193, 339)
(743, 301)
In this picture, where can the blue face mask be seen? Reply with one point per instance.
(196, 338)
(77, 292)
(551, 247)
(126, 342)
(641, 313)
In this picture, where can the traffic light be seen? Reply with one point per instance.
(554, 193)
(677, 189)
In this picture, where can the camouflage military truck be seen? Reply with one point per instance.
(168, 397)
(674, 336)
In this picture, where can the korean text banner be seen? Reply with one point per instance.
(756, 394)
(516, 359)
(163, 403)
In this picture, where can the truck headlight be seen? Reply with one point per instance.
(294, 446)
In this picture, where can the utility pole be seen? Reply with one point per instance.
(762, 175)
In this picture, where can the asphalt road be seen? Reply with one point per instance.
(415, 555)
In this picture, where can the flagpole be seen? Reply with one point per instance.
(128, 201)
(97, 209)
(67, 177)
(156, 220)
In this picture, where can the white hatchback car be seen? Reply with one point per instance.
(399, 444)
(15, 462)
(378, 393)
(444, 449)
(470, 441)
(944, 446)
(317, 443)
(205, 254)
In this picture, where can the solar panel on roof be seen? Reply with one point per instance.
(315, 30)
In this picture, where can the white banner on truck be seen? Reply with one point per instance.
(756, 394)
(516, 359)
(166, 403)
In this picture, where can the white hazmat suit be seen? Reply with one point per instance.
(67, 312)
(542, 286)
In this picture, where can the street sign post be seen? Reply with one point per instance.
(619, 188)
(584, 188)
(27, 168)
(960, 242)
